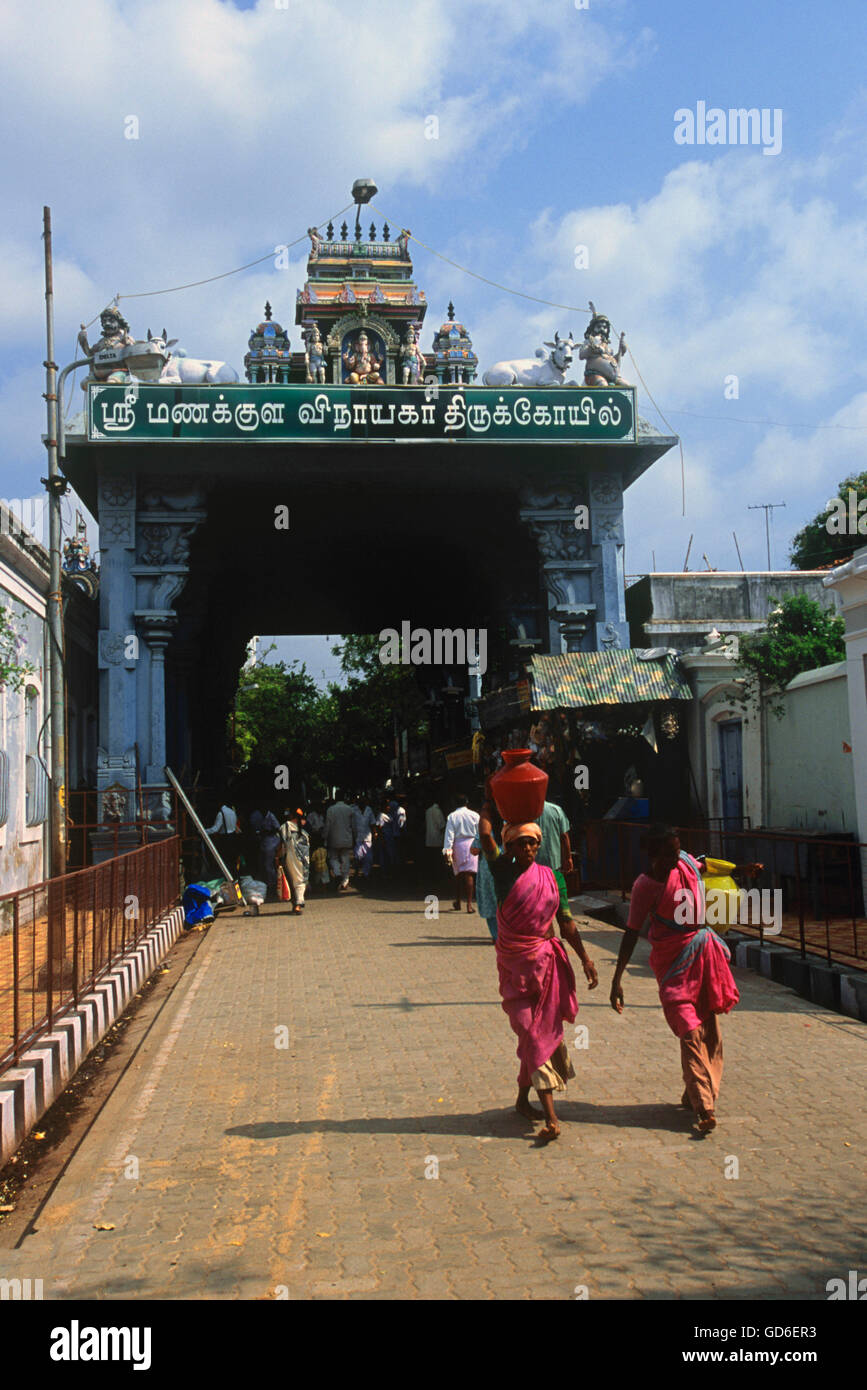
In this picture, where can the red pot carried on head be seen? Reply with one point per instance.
(519, 788)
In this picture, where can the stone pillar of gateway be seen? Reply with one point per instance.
(228, 507)
(578, 530)
(146, 523)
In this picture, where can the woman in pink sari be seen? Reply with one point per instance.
(537, 983)
(690, 963)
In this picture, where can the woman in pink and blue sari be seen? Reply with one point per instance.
(537, 983)
(690, 963)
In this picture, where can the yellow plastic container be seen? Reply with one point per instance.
(722, 894)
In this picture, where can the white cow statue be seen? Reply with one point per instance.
(523, 371)
(181, 370)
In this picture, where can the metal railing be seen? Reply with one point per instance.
(818, 878)
(59, 937)
(83, 820)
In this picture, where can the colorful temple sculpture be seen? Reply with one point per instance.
(268, 359)
(360, 310)
(417, 492)
(455, 361)
(361, 317)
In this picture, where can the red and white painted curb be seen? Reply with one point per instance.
(30, 1088)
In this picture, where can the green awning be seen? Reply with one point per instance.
(618, 677)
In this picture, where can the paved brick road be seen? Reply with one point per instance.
(266, 1169)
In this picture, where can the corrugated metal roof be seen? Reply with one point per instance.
(616, 677)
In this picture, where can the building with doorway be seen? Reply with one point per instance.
(679, 610)
(25, 746)
(355, 482)
(849, 582)
(745, 765)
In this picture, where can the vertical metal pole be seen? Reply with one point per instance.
(16, 980)
(825, 905)
(852, 900)
(55, 486)
(75, 981)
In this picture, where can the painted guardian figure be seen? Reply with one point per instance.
(412, 359)
(601, 365)
(108, 354)
(314, 357)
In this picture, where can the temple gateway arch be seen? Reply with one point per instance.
(349, 486)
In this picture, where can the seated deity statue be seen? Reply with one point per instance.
(362, 364)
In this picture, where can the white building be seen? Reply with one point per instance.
(849, 582)
(25, 748)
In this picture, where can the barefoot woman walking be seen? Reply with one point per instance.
(537, 983)
(690, 963)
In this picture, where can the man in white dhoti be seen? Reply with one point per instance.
(461, 829)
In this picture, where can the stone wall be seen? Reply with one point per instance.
(810, 781)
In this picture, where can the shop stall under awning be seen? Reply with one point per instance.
(624, 676)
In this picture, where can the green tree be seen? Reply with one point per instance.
(12, 669)
(276, 713)
(800, 636)
(815, 547)
(366, 710)
(344, 735)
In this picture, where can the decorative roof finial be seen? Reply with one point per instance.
(329, 231)
(344, 231)
(372, 232)
(386, 232)
(267, 310)
(451, 310)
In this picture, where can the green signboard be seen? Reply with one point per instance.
(141, 413)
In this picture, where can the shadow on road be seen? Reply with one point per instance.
(505, 1124)
(445, 941)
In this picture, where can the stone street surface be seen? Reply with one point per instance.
(377, 1156)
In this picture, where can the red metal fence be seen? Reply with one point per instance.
(57, 938)
(818, 878)
(83, 819)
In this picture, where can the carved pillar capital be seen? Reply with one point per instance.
(557, 520)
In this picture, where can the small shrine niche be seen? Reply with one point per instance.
(365, 308)
(361, 316)
(268, 358)
(456, 362)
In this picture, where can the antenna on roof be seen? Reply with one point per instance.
(738, 549)
(767, 508)
(686, 560)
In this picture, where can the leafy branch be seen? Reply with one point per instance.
(800, 636)
(13, 669)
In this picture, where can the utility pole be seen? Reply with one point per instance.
(767, 508)
(56, 486)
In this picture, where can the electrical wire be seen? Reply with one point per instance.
(193, 284)
(505, 289)
(668, 426)
(520, 294)
(774, 424)
(209, 280)
(551, 304)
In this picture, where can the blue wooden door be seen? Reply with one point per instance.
(731, 772)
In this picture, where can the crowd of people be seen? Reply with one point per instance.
(321, 846)
(345, 840)
(515, 876)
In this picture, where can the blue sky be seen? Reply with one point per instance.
(555, 130)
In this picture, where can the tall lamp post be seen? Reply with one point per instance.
(56, 486)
